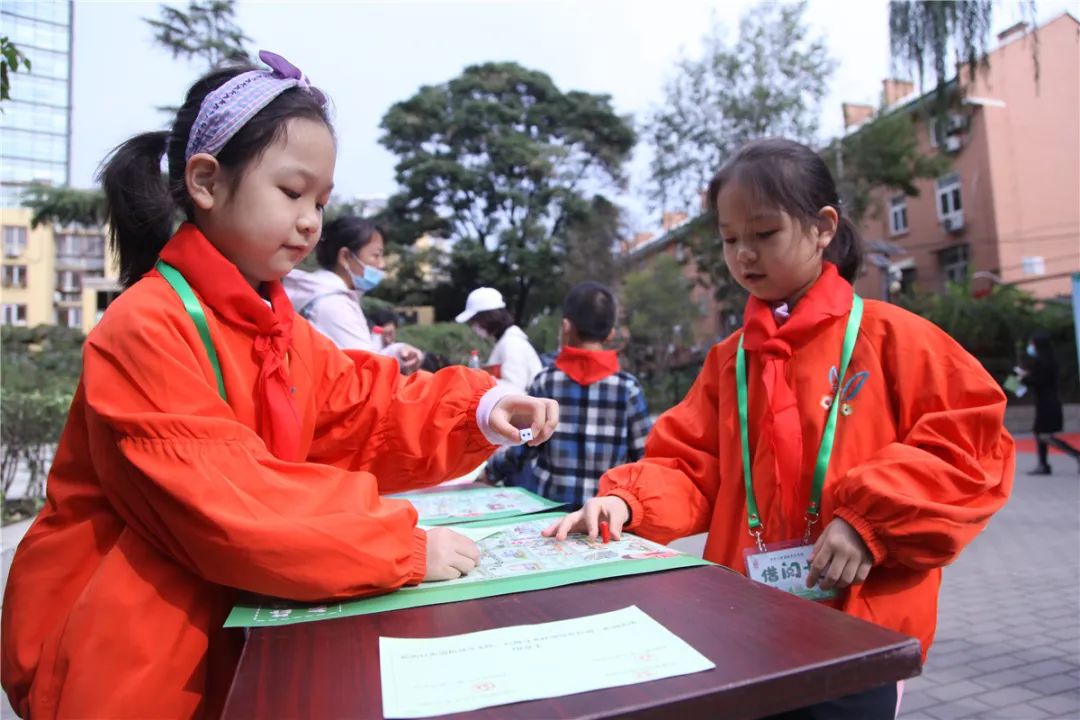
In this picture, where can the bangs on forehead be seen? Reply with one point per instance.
(769, 184)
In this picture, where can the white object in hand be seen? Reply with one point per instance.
(526, 435)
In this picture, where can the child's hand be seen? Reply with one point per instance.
(587, 519)
(519, 412)
(410, 358)
(840, 557)
(449, 555)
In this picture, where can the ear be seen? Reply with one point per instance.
(610, 335)
(343, 256)
(827, 223)
(204, 178)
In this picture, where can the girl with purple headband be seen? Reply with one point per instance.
(216, 442)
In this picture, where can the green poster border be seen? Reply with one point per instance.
(243, 613)
(501, 515)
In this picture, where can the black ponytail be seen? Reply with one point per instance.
(143, 206)
(139, 210)
(788, 175)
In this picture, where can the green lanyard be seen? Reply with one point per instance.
(827, 437)
(194, 309)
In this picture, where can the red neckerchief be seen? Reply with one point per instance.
(829, 297)
(587, 366)
(221, 287)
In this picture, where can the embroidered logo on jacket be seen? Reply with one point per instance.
(850, 390)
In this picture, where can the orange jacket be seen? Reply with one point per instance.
(919, 465)
(164, 503)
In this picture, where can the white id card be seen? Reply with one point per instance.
(785, 568)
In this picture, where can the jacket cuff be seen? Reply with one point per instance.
(418, 563)
(488, 402)
(865, 530)
(637, 511)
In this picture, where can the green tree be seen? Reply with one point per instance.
(493, 159)
(995, 327)
(770, 82)
(591, 231)
(207, 31)
(65, 205)
(660, 313)
(882, 153)
(41, 369)
(11, 60)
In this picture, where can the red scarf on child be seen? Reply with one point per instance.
(224, 290)
(830, 296)
(586, 367)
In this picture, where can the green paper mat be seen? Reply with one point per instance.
(475, 504)
(639, 556)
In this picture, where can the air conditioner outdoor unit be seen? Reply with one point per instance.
(953, 223)
(956, 122)
(953, 144)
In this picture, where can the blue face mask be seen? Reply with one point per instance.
(369, 280)
(1031, 350)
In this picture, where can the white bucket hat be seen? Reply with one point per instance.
(481, 300)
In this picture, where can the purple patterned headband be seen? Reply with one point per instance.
(225, 110)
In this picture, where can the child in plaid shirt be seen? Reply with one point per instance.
(603, 419)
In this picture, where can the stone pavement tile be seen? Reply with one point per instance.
(944, 647)
(999, 662)
(914, 701)
(1009, 696)
(1022, 711)
(965, 708)
(1029, 629)
(956, 690)
(1004, 678)
(1062, 703)
(951, 674)
(1050, 667)
(1053, 684)
(1054, 613)
(1036, 653)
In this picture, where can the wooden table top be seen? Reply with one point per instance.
(773, 652)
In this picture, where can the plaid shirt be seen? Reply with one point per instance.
(601, 425)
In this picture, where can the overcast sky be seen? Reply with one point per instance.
(369, 55)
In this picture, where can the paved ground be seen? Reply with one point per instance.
(1008, 642)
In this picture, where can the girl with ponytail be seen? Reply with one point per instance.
(217, 444)
(840, 450)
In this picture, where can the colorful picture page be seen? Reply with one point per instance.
(473, 504)
(514, 559)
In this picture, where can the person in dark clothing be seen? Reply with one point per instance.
(1040, 375)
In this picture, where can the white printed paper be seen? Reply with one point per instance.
(422, 677)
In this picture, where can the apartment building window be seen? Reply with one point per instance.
(14, 276)
(68, 281)
(948, 197)
(68, 245)
(954, 263)
(14, 240)
(938, 131)
(1033, 265)
(14, 315)
(898, 215)
(69, 317)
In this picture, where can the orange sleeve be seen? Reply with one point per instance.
(410, 431)
(917, 502)
(672, 490)
(202, 488)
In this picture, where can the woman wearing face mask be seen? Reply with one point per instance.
(350, 256)
(1040, 374)
(513, 360)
